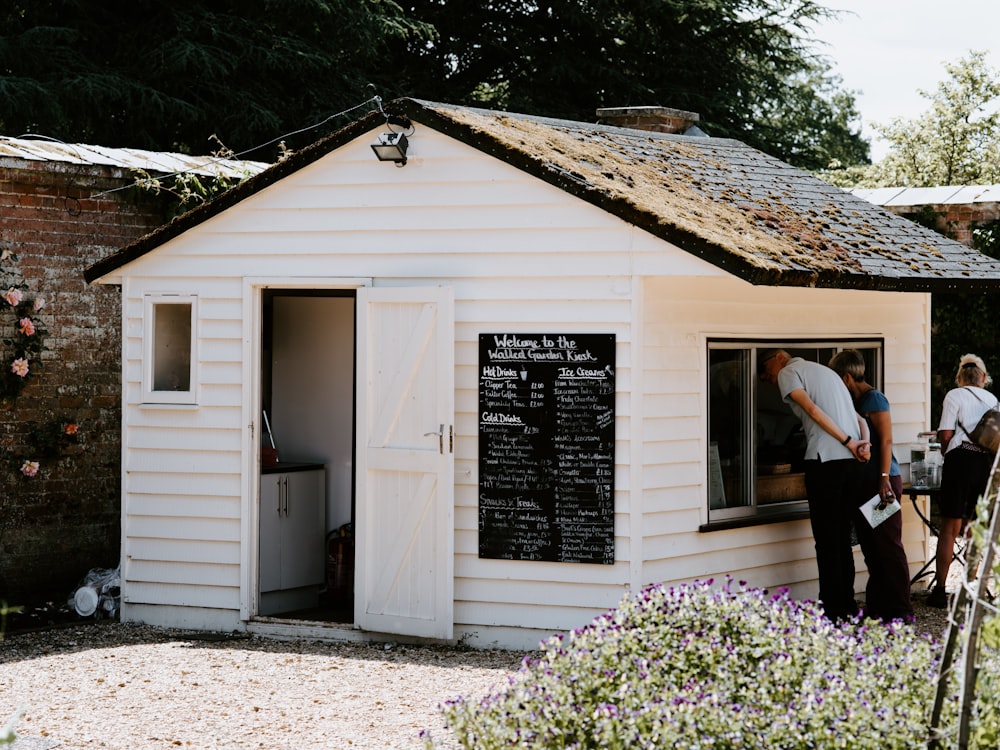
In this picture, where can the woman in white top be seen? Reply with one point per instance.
(966, 465)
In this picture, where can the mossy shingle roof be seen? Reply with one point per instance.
(736, 207)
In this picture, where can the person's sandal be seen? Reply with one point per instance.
(938, 598)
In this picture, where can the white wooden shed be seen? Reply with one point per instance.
(349, 299)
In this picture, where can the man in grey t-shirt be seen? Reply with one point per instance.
(836, 446)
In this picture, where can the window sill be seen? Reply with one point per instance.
(758, 520)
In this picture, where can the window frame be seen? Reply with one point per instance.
(151, 395)
(753, 512)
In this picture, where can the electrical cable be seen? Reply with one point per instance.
(390, 120)
(377, 99)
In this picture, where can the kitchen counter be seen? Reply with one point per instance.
(286, 467)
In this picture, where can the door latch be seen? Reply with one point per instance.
(440, 435)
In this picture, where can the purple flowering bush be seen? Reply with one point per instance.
(703, 666)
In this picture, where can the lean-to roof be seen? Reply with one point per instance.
(158, 162)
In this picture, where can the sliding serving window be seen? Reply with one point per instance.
(168, 367)
(755, 443)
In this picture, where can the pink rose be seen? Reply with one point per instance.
(19, 367)
(13, 297)
(39, 303)
(71, 429)
(29, 468)
(26, 327)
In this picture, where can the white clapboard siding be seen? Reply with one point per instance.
(202, 506)
(184, 527)
(202, 439)
(147, 482)
(193, 551)
(523, 612)
(193, 596)
(531, 624)
(185, 573)
(183, 463)
(678, 325)
(520, 255)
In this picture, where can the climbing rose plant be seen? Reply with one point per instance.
(23, 341)
(23, 332)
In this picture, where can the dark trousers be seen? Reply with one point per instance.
(834, 489)
(887, 596)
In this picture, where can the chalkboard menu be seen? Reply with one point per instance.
(547, 447)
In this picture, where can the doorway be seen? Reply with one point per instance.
(358, 381)
(307, 487)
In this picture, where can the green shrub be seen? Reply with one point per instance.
(7, 734)
(703, 666)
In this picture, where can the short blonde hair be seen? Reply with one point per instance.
(971, 369)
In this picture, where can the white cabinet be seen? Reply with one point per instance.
(292, 536)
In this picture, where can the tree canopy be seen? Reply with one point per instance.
(955, 141)
(745, 66)
(168, 75)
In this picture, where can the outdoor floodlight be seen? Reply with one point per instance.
(391, 147)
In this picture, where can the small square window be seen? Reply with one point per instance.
(168, 368)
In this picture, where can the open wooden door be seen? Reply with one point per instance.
(404, 513)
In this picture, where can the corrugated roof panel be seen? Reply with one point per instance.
(950, 194)
(131, 158)
(170, 162)
(923, 196)
(124, 158)
(45, 151)
(977, 194)
(9, 148)
(878, 196)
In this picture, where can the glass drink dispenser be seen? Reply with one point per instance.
(925, 462)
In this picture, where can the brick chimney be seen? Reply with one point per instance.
(656, 119)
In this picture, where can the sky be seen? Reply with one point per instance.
(887, 49)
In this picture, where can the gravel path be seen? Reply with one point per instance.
(107, 685)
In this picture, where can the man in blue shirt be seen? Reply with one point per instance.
(836, 446)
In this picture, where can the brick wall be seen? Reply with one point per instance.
(56, 526)
(955, 220)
